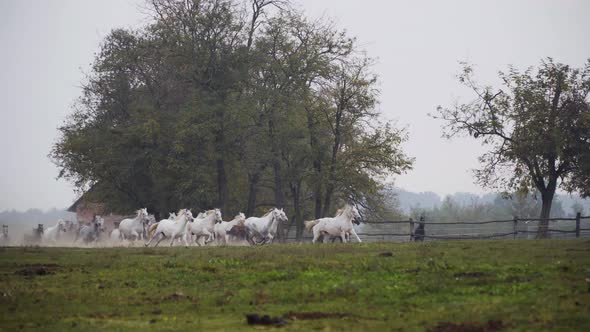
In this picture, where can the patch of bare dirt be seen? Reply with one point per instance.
(37, 270)
(265, 320)
(491, 325)
(177, 296)
(475, 274)
(314, 315)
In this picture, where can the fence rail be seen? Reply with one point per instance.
(423, 230)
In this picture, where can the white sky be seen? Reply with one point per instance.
(45, 46)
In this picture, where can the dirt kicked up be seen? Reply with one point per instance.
(437, 286)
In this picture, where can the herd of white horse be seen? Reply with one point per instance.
(206, 228)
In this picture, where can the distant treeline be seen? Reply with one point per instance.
(468, 206)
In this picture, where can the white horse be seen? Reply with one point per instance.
(203, 225)
(52, 234)
(339, 226)
(115, 235)
(172, 228)
(223, 227)
(91, 233)
(265, 227)
(133, 228)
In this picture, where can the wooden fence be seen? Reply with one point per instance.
(425, 230)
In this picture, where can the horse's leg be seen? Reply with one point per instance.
(250, 238)
(162, 237)
(148, 243)
(343, 236)
(134, 236)
(185, 240)
(173, 238)
(354, 233)
(316, 236)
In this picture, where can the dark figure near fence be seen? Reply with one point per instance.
(420, 231)
(4, 239)
(38, 232)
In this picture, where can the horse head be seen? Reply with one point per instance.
(355, 215)
(218, 216)
(99, 224)
(240, 217)
(61, 226)
(280, 215)
(188, 215)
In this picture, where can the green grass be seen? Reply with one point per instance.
(526, 285)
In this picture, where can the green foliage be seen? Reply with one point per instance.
(205, 108)
(418, 288)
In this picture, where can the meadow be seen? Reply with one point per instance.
(436, 286)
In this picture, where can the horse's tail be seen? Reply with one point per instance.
(152, 229)
(310, 224)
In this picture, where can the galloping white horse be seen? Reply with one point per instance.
(203, 225)
(52, 233)
(172, 228)
(265, 227)
(133, 229)
(223, 227)
(338, 226)
(91, 233)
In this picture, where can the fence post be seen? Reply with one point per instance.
(578, 216)
(411, 230)
(515, 227)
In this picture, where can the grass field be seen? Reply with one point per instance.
(443, 286)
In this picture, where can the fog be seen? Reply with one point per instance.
(47, 46)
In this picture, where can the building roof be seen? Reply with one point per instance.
(74, 206)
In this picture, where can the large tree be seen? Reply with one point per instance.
(537, 129)
(217, 104)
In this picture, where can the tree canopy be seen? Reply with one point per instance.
(221, 103)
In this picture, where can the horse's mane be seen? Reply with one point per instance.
(341, 211)
(267, 213)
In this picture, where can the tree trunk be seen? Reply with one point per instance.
(279, 198)
(253, 179)
(317, 165)
(295, 191)
(222, 191)
(547, 201)
(328, 200)
(317, 192)
(253, 182)
(332, 169)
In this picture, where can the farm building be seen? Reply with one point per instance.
(86, 209)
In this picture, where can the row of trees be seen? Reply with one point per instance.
(242, 106)
(246, 105)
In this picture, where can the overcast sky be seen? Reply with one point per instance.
(46, 46)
